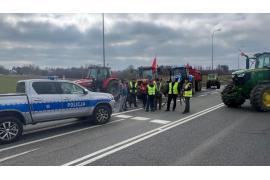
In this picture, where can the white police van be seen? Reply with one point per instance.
(41, 100)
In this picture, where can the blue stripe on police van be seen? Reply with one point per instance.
(19, 107)
(52, 106)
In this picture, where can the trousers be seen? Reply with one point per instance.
(187, 104)
(158, 101)
(150, 102)
(170, 98)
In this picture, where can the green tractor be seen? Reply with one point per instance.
(253, 84)
(213, 80)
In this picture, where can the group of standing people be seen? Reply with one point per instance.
(151, 93)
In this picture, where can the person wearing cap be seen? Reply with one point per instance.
(173, 90)
(187, 93)
(133, 88)
(151, 93)
(158, 98)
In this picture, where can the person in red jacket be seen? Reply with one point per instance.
(143, 91)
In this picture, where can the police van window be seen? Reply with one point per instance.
(69, 88)
(20, 88)
(46, 87)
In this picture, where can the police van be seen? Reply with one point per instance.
(41, 100)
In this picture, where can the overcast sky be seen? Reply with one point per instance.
(66, 40)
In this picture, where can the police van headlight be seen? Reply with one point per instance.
(111, 97)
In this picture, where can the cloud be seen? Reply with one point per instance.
(66, 40)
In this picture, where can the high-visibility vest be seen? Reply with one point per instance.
(188, 93)
(151, 90)
(131, 88)
(174, 89)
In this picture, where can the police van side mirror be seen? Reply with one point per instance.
(85, 92)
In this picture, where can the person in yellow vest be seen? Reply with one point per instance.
(151, 93)
(133, 89)
(158, 98)
(187, 93)
(173, 90)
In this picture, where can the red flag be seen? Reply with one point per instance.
(242, 54)
(154, 65)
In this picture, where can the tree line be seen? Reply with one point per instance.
(81, 72)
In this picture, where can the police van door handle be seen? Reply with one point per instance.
(37, 99)
(66, 98)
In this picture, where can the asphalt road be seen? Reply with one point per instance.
(211, 134)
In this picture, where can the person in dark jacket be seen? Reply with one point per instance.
(123, 95)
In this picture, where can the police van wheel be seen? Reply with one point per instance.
(102, 115)
(11, 129)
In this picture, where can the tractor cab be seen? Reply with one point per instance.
(179, 71)
(262, 60)
(146, 73)
(99, 73)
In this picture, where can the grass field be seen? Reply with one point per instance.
(8, 83)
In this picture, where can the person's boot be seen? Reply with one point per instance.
(167, 110)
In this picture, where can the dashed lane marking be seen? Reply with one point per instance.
(16, 155)
(123, 116)
(94, 156)
(57, 136)
(115, 114)
(158, 121)
(140, 118)
(202, 95)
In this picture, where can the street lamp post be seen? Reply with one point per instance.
(103, 35)
(213, 46)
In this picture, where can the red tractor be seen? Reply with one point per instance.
(197, 77)
(100, 79)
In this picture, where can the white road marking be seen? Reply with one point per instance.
(202, 95)
(159, 121)
(123, 116)
(140, 118)
(55, 136)
(126, 143)
(16, 155)
(114, 114)
(143, 138)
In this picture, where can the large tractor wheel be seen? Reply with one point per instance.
(227, 99)
(114, 89)
(260, 97)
